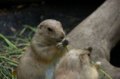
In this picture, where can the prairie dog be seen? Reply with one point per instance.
(46, 47)
(76, 65)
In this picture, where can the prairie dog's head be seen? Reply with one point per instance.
(77, 55)
(51, 29)
(74, 58)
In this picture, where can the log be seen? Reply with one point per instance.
(101, 31)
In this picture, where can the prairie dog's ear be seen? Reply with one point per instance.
(40, 26)
(89, 49)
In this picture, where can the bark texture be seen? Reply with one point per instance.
(101, 31)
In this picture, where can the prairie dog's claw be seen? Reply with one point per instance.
(60, 45)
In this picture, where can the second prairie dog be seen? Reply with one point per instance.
(46, 47)
(76, 65)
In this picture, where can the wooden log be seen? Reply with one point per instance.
(101, 31)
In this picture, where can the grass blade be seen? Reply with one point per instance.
(103, 71)
(7, 41)
(30, 27)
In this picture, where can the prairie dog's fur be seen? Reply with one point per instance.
(76, 65)
(46, 47)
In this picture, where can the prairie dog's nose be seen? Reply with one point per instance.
(61, 38)
(62, 35)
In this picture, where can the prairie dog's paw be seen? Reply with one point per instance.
(65, 41)
(60, 45)
(97, 64)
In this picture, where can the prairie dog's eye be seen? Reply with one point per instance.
(49, 29)
(88, 54)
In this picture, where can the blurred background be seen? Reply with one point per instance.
(15, 13)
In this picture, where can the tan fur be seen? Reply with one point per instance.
(47, 46)
(76, 65)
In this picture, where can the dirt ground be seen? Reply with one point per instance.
(13, 17)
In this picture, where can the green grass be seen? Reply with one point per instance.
(11, 51)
